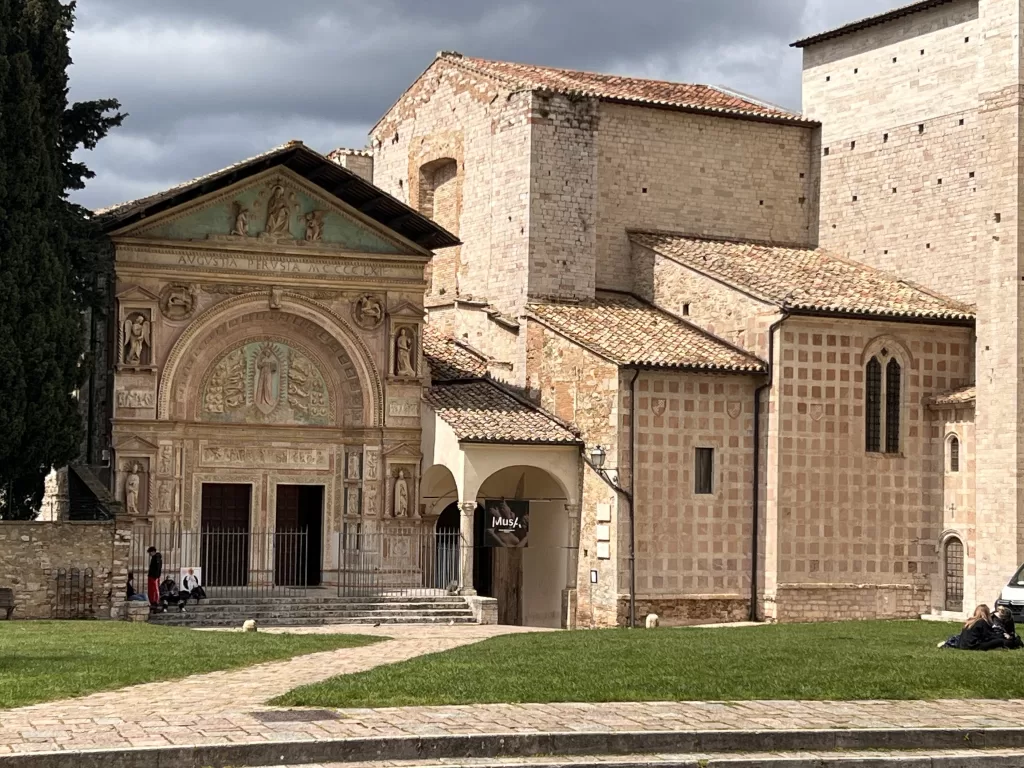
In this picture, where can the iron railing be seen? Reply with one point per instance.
(351, 562)
(74, 594)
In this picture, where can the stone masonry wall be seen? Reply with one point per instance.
(448, 114)
(659, 169)
(916, 79)
(563, 197)
(580, 387)
(32, 553)
(958, 503)
(843, 516)
(694, 548)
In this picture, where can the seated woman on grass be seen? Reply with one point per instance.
(978, 634)
(1002, 623)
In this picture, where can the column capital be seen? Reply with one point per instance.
(467, 507)
(573, 510)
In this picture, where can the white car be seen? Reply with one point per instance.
(1012, 595)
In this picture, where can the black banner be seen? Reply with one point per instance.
(506, 523)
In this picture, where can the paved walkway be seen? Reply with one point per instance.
(227, 707)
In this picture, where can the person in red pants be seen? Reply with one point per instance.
(156, 566)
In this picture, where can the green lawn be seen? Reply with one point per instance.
(852, 660)
(45, 660)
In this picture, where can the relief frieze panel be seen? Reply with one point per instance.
(266, 382)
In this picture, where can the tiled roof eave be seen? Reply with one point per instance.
(483, 440)
(701, 109)
(908, 316)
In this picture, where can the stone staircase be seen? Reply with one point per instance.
(317, 608)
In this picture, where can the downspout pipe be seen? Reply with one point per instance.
(632, 497)
(756, 490)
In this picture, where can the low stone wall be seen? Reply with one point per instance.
(842, 602)
(33, 556)
(687, 611)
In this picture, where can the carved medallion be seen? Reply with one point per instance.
(178, 301)
(368, 312)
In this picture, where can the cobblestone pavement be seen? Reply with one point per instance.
(223, 708)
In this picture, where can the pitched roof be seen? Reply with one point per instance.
(869, 21)
(330, 176)
(451, 360)
(962, 396)
(630, 90)
(801, 278)
(628, 331)
(483, 412)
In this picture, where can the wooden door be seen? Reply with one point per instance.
(298, 535)
(508, 584)
(225, 534)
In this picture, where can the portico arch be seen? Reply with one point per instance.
(355, 373)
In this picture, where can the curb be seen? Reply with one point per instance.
(528, 745)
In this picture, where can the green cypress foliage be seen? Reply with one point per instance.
(50, 250)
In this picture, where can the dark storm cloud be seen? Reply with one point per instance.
(207, 83)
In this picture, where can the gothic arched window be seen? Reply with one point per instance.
(954, 454)
(873, 407)
(892, 407)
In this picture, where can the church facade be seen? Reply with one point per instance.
(721, 360)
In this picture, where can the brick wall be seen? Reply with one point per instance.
(694, 547)
(659, 169)
(960, 237)
(837, 514)
(32, 553)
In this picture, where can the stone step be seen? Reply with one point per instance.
(314, 600)
(186, 620)
(368, 608)
(267, 615)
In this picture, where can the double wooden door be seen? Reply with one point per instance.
(225, 536)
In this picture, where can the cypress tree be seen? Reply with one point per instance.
(49, 248)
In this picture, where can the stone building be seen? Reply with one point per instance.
(724, 358)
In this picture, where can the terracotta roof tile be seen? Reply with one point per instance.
(628, 331)
(483, 412)
(962, 396)
(803, 278)
(451, 361)
(627, 89)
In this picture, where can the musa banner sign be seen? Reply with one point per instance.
(506, 523)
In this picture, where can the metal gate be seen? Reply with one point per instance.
(403, 563)
(74, 595)
(954, 575)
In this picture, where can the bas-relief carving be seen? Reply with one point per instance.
(352, 501)
(266, 383)
(165, 496)
(370, 500)
(266, 457)
(372, 464)
(404, 408)
(293, 216)
(136, 338)
(352, 472)
(178, 302)
(165, 461)
(368, 312)
(136, 398)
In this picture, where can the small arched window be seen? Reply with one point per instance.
(892, 407)
(954, 454)
(873, 409)
(882, 424)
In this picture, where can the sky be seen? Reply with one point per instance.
(209, 82)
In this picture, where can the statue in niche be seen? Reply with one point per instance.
(403, 354)
(265, 395)
(240, 217)
(401, 495)
(353, 466)
(132, 483)
(278, 213)
(369, 312)
(315, 226)
(137, 338)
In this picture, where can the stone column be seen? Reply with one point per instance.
(468, 510)
(572, 562)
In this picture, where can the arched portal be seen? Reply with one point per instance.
(522, 545)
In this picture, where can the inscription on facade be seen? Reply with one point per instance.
(404, 408)
(269, 457)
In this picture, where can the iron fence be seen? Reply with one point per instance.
(74, 594)
(350, 562)
(398, 563)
